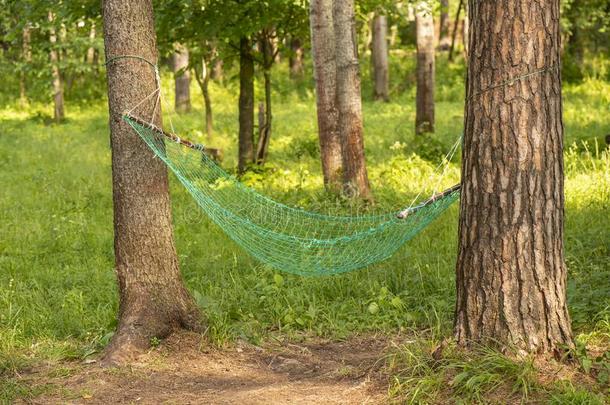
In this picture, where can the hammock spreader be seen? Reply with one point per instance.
(288, 239)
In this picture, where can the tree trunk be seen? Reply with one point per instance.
(325, 74)
(246, 105)
(511, 276)
(455, 29)
(26, 58)
(349, 104)
(265, 129)
(465, 26)
(203, 79)
(153, 299)
(58, 86)
(445, 40)
(296, 58)
(182, 80)
(424, 112)
(380, 58)
(90, 58)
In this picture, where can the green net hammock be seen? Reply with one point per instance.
(288, 239)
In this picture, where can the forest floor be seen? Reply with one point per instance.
(183, 369)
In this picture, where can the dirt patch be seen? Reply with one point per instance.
(185, 370)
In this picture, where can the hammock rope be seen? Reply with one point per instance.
(286, 238)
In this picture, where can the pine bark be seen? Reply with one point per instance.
(511, 276)
(325, 74)
(153, 299)
(246, 105)
(182, 80)
(57, 83)
(379, 54)
(444, 39)
(295, 61)
(424, 112)
(349, 104)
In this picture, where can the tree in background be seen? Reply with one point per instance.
(444, 41)
(325, 75)
(58, 85)
(349, 103)
(379, 55)
(424, 26)
(295, 61)
(511, 275)
(153, 299)
(182, 79)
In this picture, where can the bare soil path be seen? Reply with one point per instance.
(185, 370)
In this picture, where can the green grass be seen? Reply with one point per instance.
(58, 296)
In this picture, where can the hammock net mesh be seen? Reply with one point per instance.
(288, 239)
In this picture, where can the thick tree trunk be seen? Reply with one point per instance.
(325, 74)
(424, 113)
(246, 105)
(153, 299)
(444, 39)
(58, 86)
(26, 58)
(511, 276)
(296, 58)
(349, 104)
(182, 80)
(379, 53)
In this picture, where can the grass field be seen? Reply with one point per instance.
(58, 295)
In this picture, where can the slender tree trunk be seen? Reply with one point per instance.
(445, 40)
(379, 54)
(424, 114)
(90, 58)
(58, 86)
(246, 105)
(265, 129)
(511, 276)
(182, 80)
(153, 299)
(26, 58)
(455, 29)
(325, 74)
(216, 73)
(295, 61)
(465, 26)
(349, 104)
(202, 75)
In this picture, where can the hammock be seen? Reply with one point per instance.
(288, 239)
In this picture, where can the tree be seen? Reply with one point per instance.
(202, 75)
(246, 105)
(379, 54)
(26, 58)
(444, 40)
(182, 79)
(325, 74)
(153, 299)
(349, 104)
(295, 61)
(511, 276)
(424, 112)
(58, 86)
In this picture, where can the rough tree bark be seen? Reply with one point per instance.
(153, 299)
(444, 40)
(379, 54)
(246, 105)
(349, 104)
(511, 276)
(295, 61)
(58, 86)
(325, 74)
(182, 79)
(424, 112)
